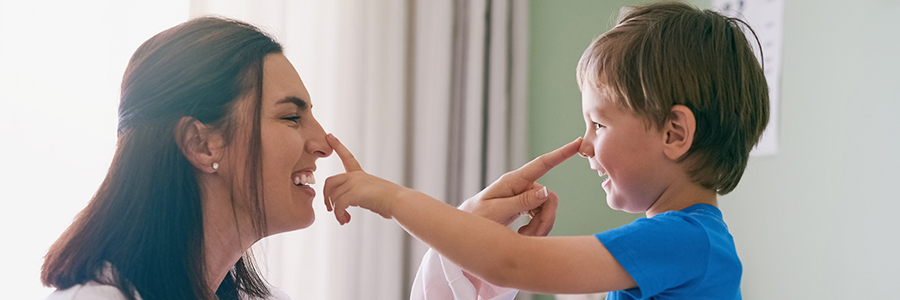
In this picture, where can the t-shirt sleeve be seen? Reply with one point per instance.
(660, 253)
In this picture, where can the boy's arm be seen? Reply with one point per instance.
(487, 249)
(577, 264)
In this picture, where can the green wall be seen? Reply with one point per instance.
(818, 220)
(814, 221)
(560, 31)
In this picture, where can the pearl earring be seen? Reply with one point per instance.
(215, 166)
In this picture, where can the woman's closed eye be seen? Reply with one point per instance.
(295, 119)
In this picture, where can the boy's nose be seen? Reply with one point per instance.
(586, 149)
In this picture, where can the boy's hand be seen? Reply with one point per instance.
(517, 192)
(356, 187)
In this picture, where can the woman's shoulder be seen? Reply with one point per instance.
(97, 291)
(89, 291)
(276, 294)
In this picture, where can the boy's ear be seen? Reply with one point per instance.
(679, 131)
(198, 144)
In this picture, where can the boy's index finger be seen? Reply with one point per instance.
(350, 163)
(536, 168)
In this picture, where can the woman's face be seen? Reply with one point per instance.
(292, 141)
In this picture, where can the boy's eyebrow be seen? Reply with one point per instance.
(300, 103)
(598, 113)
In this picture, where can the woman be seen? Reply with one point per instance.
(217, 146)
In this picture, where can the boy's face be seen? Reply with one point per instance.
(618, 144)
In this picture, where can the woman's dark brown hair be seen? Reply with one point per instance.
(146, 218)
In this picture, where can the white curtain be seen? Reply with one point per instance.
(428, 94)
(61, 66)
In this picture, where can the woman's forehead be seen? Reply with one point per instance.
(281, 81)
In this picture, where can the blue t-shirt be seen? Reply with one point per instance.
(686, 254)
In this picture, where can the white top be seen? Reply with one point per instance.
(437, 279)
(98, 291)
(91, 290)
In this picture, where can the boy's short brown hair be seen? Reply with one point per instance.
(666, 54)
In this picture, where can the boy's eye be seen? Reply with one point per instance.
(598, 125)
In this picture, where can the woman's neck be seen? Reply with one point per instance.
(227, 235)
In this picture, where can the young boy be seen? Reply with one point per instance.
(673, 99)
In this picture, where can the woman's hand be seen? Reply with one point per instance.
(357, 188)
(517, 192)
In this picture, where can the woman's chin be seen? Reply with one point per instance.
(305, 220)
(296, 220)
(306, 224)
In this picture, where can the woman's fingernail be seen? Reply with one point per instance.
(542, 193)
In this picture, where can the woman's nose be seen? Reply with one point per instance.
(317, 145)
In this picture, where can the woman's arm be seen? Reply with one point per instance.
(481, 246)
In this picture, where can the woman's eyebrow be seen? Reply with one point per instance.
(300, 103)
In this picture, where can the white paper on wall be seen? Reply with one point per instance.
(766, 17)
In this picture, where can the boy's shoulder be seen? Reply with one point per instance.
(697, 211)
(697, 218)
(677, 251)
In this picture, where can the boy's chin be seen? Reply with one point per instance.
(625, 205)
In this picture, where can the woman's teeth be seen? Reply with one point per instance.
(303, 179)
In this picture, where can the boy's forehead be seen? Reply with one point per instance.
(593, 97)
(606, 105)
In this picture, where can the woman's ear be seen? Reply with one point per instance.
(198, 144)
(679, 131)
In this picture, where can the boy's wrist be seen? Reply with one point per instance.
(398, 200)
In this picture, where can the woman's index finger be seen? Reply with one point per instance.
(539, 166)
(350, 163)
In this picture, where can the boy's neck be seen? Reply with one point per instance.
(682, 194)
